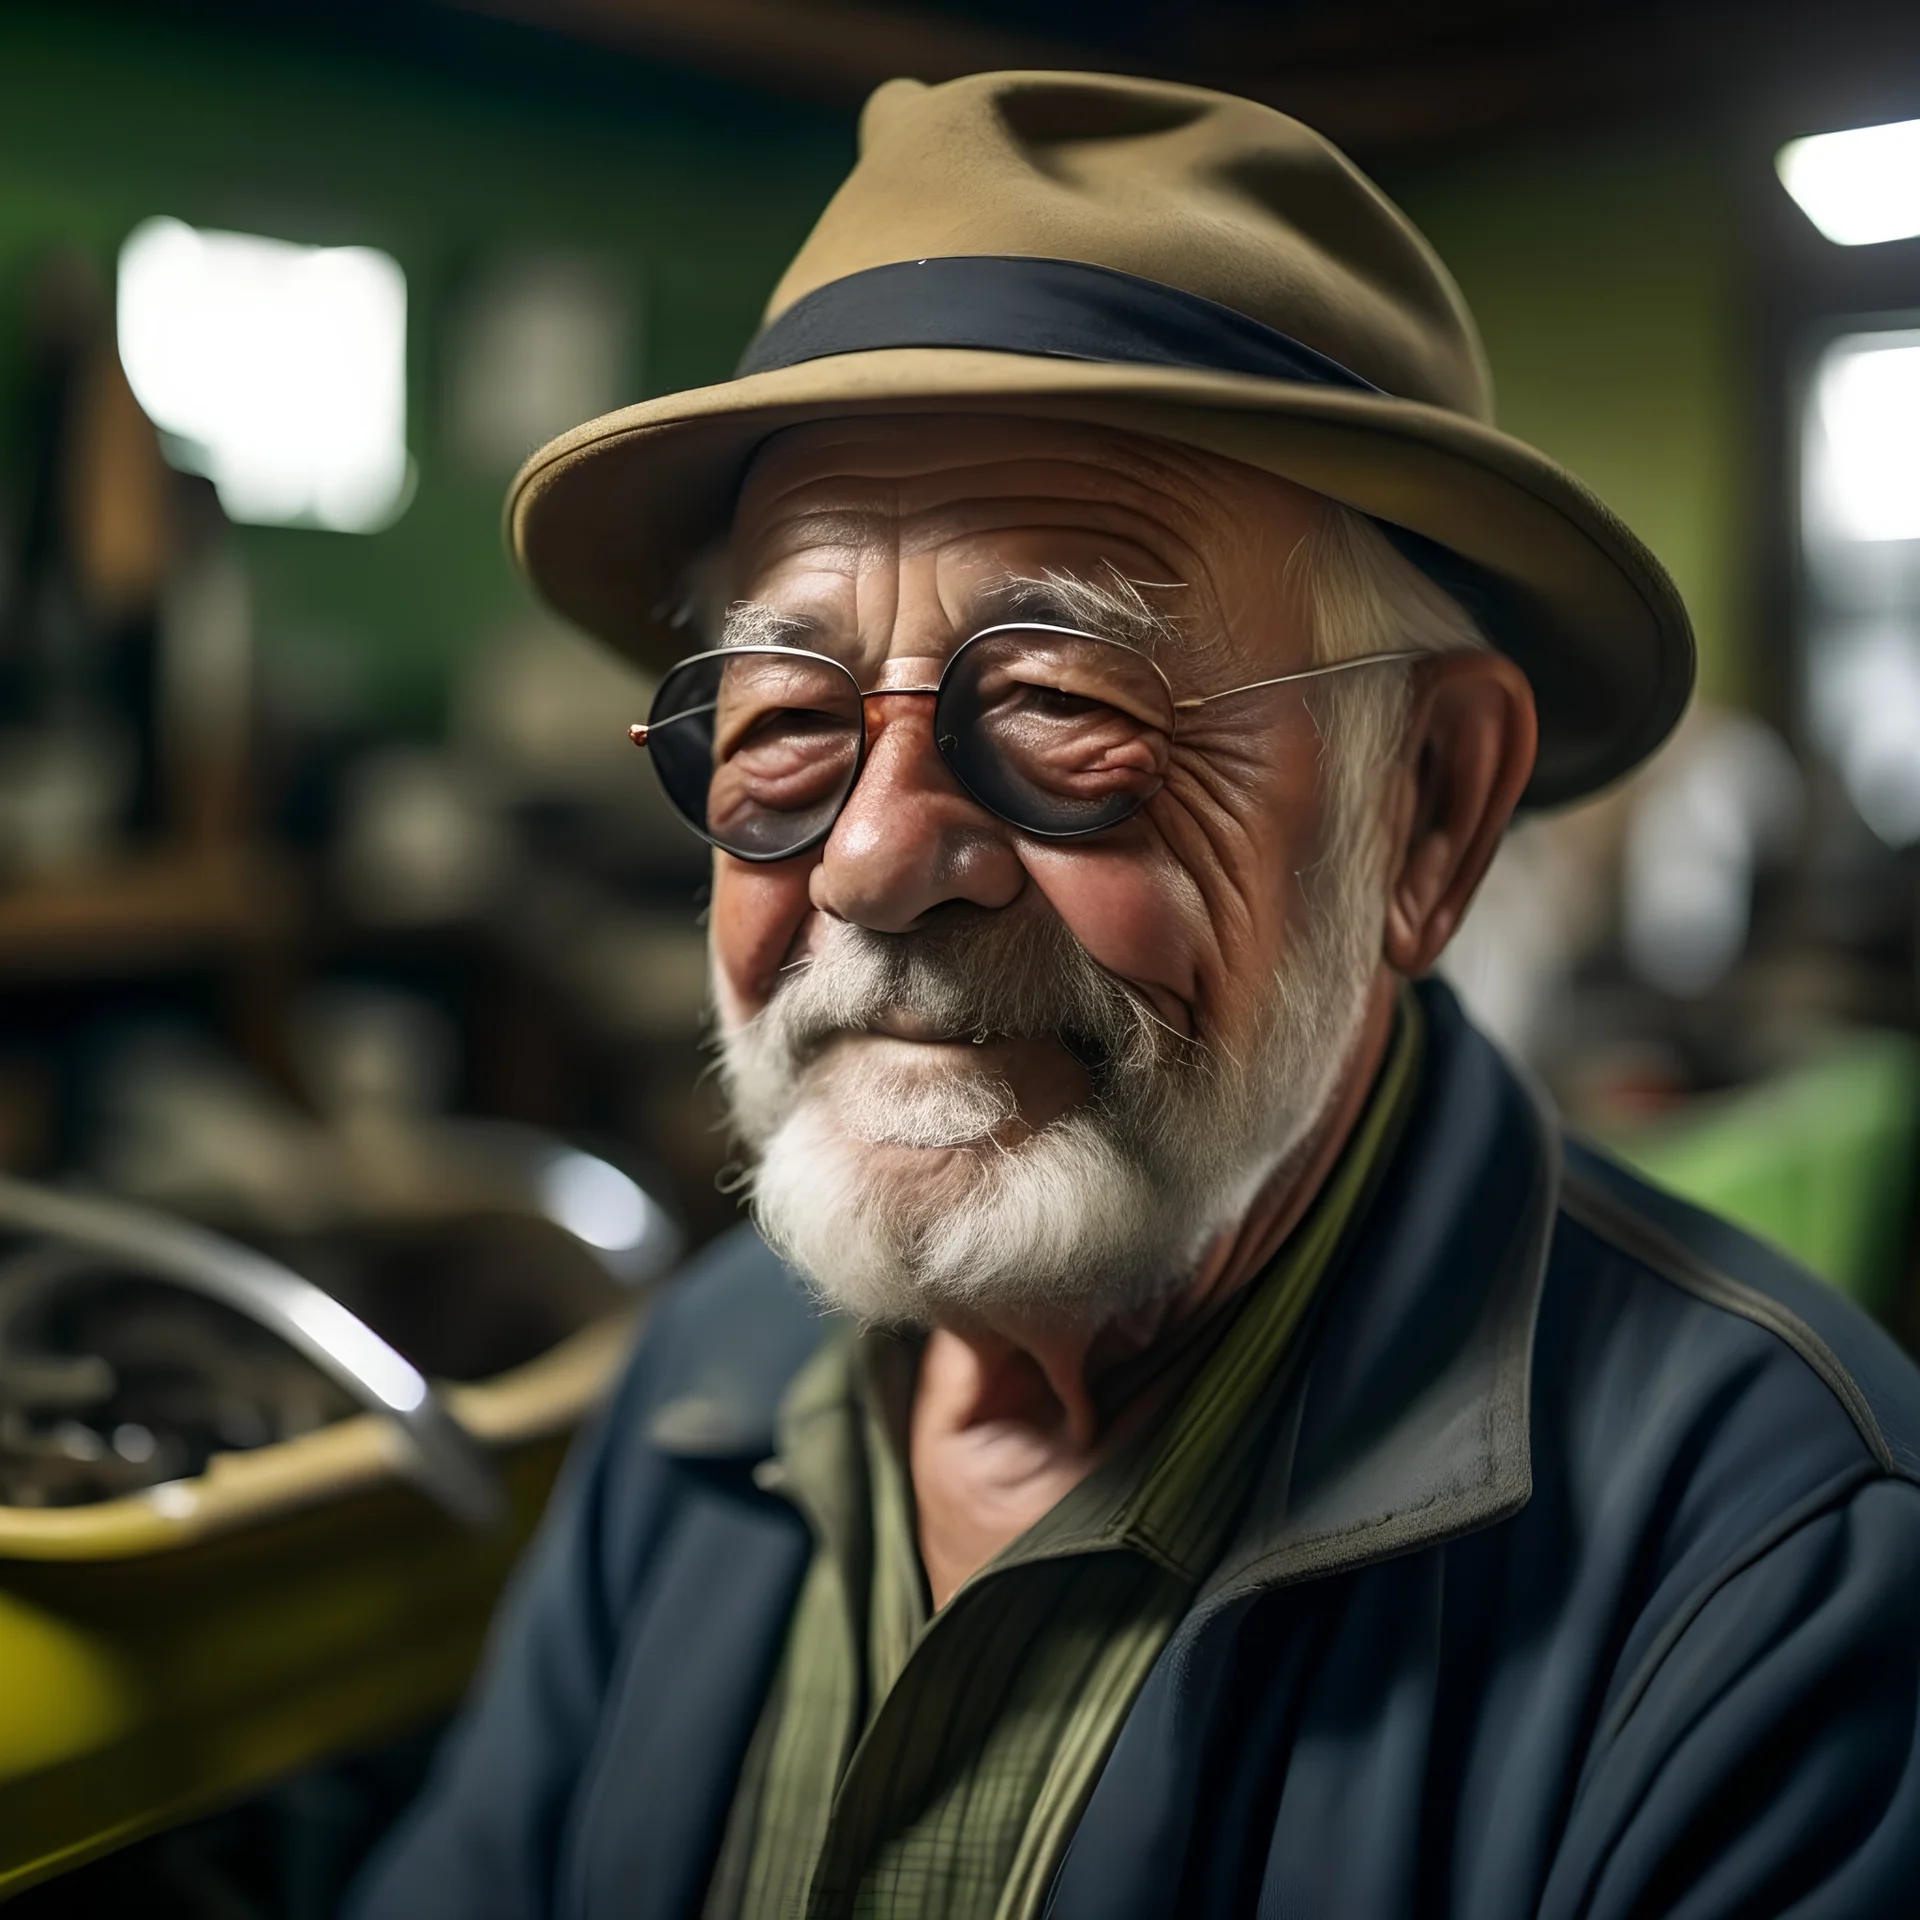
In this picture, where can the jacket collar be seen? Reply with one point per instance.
(1411, 1422)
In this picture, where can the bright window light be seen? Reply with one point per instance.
(277, 370)
(1860, 531)
(1860, 187)
(1863, 451)
(1866, 711)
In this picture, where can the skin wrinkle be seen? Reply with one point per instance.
(888, 536)
(1152, 521)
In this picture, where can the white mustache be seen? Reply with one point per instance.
(975, 977)
(981, 974)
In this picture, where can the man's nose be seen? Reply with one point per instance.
(910, 837)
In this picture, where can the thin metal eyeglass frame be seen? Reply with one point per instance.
(639, 732)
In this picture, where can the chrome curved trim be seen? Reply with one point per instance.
(438, 1455)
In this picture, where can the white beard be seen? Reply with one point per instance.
(1098, 1214)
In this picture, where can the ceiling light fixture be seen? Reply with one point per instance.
(1859, 188)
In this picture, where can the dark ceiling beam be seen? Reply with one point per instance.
(1378, 76)
(1371, 91)
(831, 51)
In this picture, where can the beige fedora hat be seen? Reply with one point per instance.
(1161, 259)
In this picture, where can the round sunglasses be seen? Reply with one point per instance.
(1058, 732)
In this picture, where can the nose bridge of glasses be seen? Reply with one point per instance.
(907, 673)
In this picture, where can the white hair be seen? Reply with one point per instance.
(1108, 1208)
(1364, 596)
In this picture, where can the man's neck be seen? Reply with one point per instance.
(1012, 1411)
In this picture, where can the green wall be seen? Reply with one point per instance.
(1606, 275)
(699, 191)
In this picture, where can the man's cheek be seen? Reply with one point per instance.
(755, 923)
(1140, 915)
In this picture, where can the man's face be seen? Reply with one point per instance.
(894, 540)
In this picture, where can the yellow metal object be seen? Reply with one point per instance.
(161, 1656)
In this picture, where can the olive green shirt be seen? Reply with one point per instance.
(934, 1765)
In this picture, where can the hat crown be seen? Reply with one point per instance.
(1218, 196)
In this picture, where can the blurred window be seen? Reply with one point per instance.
(277, 370)
(1860, 532)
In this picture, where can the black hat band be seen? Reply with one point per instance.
(1070, 310)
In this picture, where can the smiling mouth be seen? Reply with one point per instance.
(1091, 1055)
(920, 1031)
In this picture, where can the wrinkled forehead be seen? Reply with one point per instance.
(902, 481)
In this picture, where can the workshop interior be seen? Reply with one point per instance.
(353, 1100)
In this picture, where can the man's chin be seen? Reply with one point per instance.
(913, 1236)
(893, 1091)
(906, 1118)
(919, 1171)
(909, 1152)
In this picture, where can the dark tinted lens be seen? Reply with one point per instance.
(757, 747)
(1060, 735)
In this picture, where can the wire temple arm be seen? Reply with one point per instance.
(1307, 673)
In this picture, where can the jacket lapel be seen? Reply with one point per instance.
(701, 1643)
(1412, 1424)
(695, 1669)
(1410, 1428)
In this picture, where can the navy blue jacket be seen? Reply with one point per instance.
(1583, 1578)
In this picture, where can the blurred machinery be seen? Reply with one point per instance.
(241, 1528)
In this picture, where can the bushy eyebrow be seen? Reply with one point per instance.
(752, 623)
(1114, 607)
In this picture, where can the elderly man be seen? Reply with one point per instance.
(1186, 1437)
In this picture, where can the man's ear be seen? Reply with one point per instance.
(1470, 744)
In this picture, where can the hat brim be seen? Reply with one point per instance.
(604, 519)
